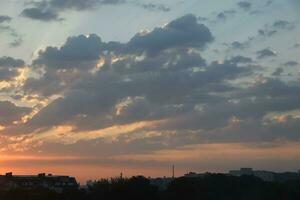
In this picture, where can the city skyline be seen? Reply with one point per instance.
(92, 88)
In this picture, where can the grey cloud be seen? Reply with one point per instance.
(238, 45)
(203, 19)
(75, 53)
(267, 31)
(11, 62)
(241, 59)
(156, 7)
(17, 38)
(171, 82)
(9, 67)
(269, 2)
(161, 94)
(5, 18)
(253, 130)
(52, 82)
(7, 74)
(16, 42)
(50, 10)
(78, 51)
(182, 32)
(295, 46)
(187, 60)
(225, 14)
(278, 71)
(279, 25)
(283, 24)
(41, 14)
(82, 4)
(292, 64)
(9, 112)
(252, 103)
(245, 5)
(265, 53)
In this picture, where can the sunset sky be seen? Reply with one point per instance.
(93, 88)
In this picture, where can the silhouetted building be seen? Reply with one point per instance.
(266, 175)
(57, 183)
(195, 175)
(161, 183)
(287, 176)
(242, 172)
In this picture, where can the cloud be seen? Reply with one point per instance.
(75, 53)
(269, 2)
(238, 45)
(50, 10)
(11, 62)
(40, 14)
(279, 25)
(284, 25)
(226, 14)
(156, 7)
(278, 71)
(159, 78)
(9, 113)
(292, 63)
(148, 94)
(9, 67)
(5, 18)
(82, 4)
(245, 5)
(265, 53)
(182, 32)
(17, 38)
(295, 46)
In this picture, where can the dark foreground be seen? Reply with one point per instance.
(210, 187)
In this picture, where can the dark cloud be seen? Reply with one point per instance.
(5, 18)
(17, 38)
(203, 19)
(50, 10)
(81, 4)
(279, 25)
(9, 68)
(226, 14)
(269, 2)
(295, 46)
(268, 30)
(11, 62)
(182, 32)
(41, 14)
(16, 42)
(238, 45)
(160, 75)
(77, 52)
(292, 64)
(283, 24)
(83, 53)
(245, 5)
(140, 94)
(271, 96)
(7, 74)
(278, 71)
(156, 7)
(9, 113)
(265, 53)
(240, 59)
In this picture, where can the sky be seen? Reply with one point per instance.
(93, 88)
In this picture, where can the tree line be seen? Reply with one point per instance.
(209, 187)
